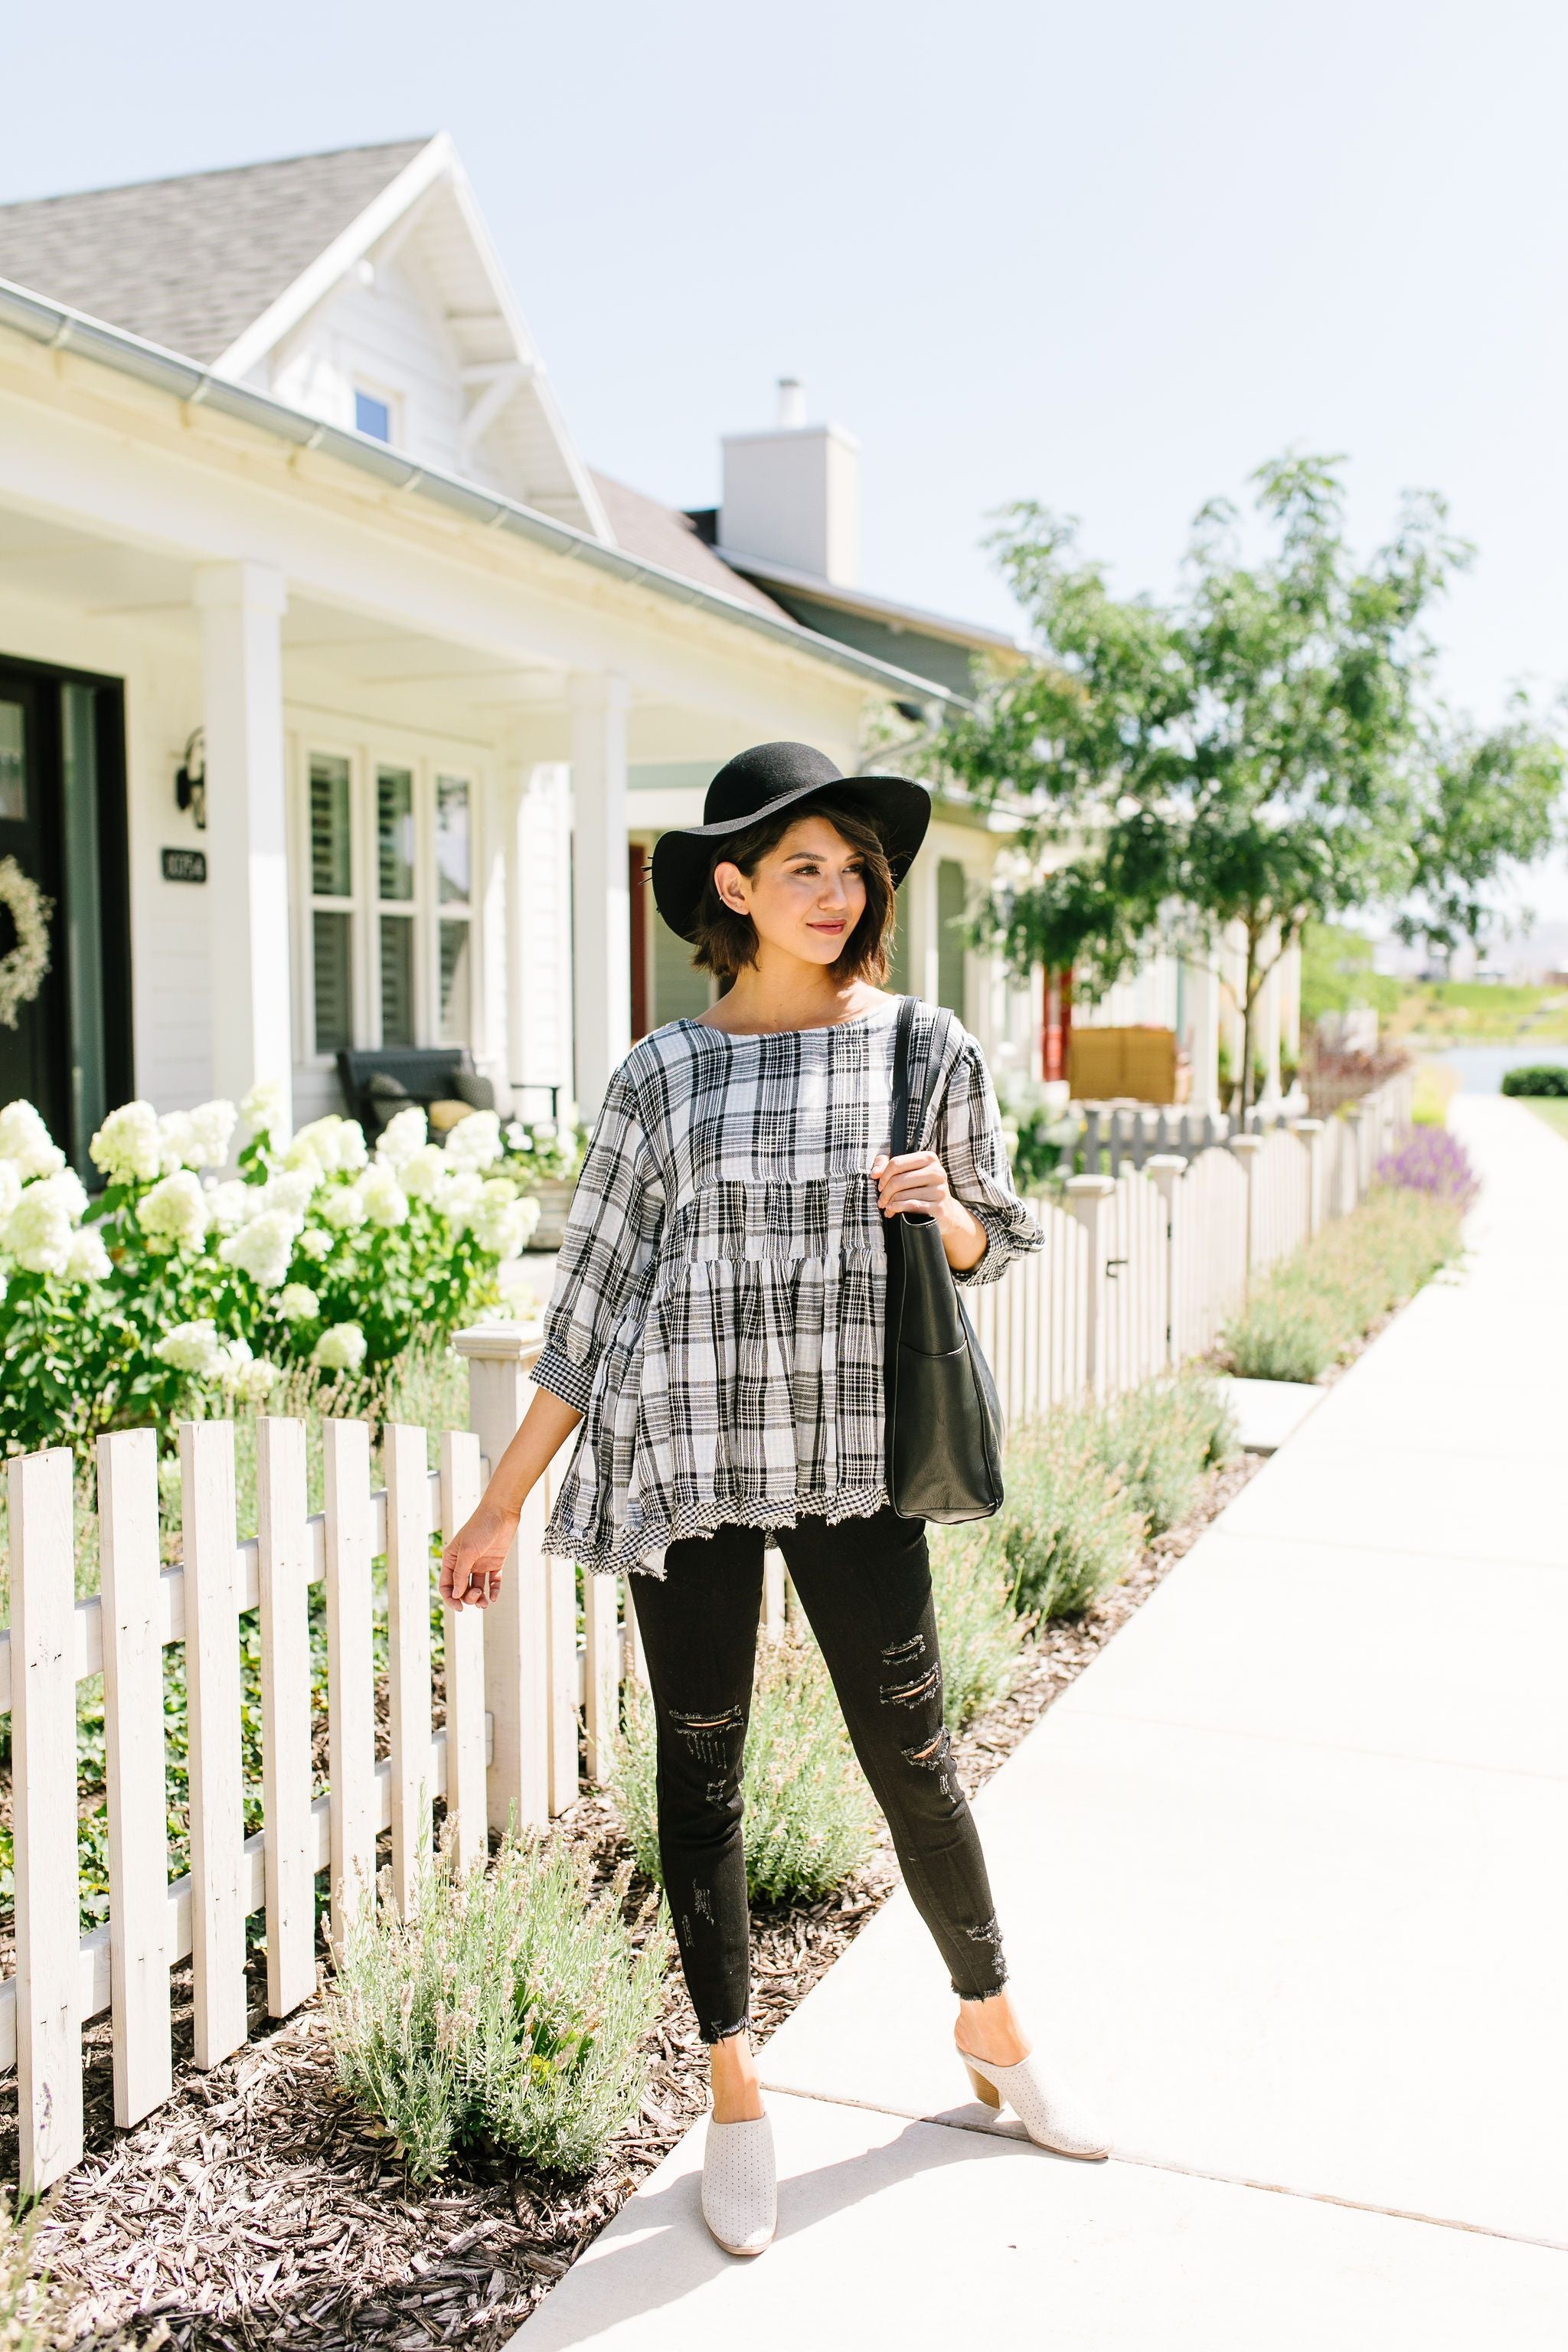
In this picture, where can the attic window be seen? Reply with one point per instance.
(373, 416)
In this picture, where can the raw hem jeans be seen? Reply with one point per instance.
(865, 1584)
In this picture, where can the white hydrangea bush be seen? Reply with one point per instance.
(221, 1250)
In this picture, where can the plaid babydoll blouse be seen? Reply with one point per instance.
(718, 1310)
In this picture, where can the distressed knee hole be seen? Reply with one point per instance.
(915, 1692)
(709, 1736)
(933, 1755)
(899, 1654)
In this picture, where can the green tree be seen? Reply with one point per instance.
(1263, 752)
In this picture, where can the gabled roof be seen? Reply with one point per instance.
(191, 263)
(665, 536)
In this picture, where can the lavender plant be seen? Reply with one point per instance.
(1433, 1161)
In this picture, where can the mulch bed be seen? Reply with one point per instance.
(257, 2205)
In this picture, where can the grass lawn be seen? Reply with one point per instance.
(1472, 1012)
(1552, 1108)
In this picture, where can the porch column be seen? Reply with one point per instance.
(538, 937)
(1202, 1039)
(601, 899)
(241, 607)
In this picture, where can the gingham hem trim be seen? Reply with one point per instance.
(572, 1383)
(632, 1555)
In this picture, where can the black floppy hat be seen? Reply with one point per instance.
(757, 785)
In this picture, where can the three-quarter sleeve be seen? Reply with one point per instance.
(607, 1252)
(969, 1141)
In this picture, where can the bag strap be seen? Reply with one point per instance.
(899, 1137)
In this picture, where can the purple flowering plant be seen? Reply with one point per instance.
(1431, 1161)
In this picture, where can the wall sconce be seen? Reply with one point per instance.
(191, 780)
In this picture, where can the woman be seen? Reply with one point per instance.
(715, 1338)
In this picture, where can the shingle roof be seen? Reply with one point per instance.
(190, 263)
(664, 535)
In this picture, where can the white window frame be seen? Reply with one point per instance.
(365, 907)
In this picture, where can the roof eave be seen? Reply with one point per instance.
(57, 326)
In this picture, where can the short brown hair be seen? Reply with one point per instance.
(725, 942)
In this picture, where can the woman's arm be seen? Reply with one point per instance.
(471, 1563)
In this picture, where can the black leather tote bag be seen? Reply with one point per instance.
(944, 1418)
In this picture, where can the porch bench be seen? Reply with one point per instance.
(422, 1075)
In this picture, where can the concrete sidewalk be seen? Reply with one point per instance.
(1282, 1876)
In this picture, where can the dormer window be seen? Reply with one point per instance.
(372, 414)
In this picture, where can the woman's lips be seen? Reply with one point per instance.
(826, 927)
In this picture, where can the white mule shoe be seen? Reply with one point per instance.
(740, 2186)
(1040, 2117)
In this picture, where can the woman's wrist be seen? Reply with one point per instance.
(965, 1239)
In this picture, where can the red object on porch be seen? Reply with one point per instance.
(1059, 1022)
(637, 884)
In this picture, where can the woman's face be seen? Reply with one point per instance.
(806, 895)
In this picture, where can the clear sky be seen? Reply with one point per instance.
(1107, 257)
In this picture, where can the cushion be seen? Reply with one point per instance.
(470, 1089)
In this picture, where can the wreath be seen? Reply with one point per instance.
(23, 970)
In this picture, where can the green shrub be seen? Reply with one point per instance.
(1278, 1337)
(509, 2012)
(1069, 1527)
(1314, 1308)
(1160, 1439)
(980, 1631)
(1536, 1078)
(809, 1818)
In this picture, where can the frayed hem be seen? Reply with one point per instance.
(606, 1558)
(724, 2032)
(992, 1992)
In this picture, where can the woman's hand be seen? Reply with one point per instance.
(472, 1562)
(915, 1183)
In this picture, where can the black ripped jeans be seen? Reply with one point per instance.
(865, 1584)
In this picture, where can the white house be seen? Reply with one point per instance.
(340, 700)
(330, 675)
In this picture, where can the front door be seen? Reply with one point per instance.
(62, 824)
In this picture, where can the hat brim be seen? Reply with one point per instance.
(898, 806)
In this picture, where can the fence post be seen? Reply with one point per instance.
(1247, 1149)
(1352, 1115)
(283, 1550)
(1166, 1170)
(134, 1760)
(218, 1793)
(43, 1769)
(464, 1632)
(351, 1668)
(602, 1671)
(517, 1624)
(1310, 1131)
(1087, 1199)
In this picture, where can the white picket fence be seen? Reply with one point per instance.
(1137, 1272)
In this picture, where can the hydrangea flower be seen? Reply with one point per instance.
(191, 1347)
(88, 1260)
(313, 1243)
(299, 1303)
(25, 1138)
(340, 1348)
(196, 1138)
(385, 1202)
(127, 1147)
(263, 1248)
(41, 1228)
(261, 1109)
(343, 1207)
(475, 1141)
(291, 1190)
(401, 1137)
(10, 1188)
(232, 1204)
(244, 1375)
(421, 1172)
(174, 1212)
(336, 1146)
(502, 1222)
(457, 1195)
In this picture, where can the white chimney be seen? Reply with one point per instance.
(792, 497)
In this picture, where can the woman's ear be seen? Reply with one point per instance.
(731, 884)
